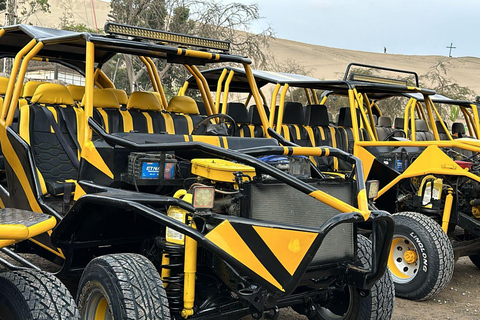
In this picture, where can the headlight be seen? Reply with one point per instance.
(203, 197)
(372, 188)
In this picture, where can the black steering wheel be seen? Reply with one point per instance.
(226, 118)
(391, 134)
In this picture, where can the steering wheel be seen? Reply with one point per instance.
(226, 118)
(391, 134)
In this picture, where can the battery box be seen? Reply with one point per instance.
(149, 168)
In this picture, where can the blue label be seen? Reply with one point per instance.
(399, 165)
(150, 170)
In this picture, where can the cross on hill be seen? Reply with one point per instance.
(451, 47)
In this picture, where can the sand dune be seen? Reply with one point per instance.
(324, 62)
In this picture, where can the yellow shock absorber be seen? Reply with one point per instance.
(447, 210)
(190, 268)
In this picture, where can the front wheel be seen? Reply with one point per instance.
(122, 286)
(350, 304)
(421, 257)
(31, 294)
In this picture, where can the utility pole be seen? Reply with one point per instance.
(10, 18)
(451, 47)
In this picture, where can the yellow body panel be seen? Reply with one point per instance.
(289, 246)
(227, 239)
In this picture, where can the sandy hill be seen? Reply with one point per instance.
(323, 62)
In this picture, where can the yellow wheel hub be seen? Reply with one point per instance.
(410, 256)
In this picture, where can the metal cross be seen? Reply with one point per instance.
(451, 47)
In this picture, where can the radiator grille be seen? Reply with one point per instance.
(281, 203)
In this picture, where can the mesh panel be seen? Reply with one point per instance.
(283, 204)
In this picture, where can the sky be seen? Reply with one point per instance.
(421, 27)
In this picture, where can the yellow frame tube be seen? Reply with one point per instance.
(247, 101)
(366, 123)
(190, 269)
(281, 108)
(352, 100)
(183, 89)
(150, 73)
(89, 82)
(206, 102)
(477, 120)
(324, 99)
(226, 91)
(219, 88)
(435, 129)
(468, 120)
(19, 83)
(256, 97)
(412, 122)
(263, 97)
(406, 116)
(13, 76)
(307, 93)
(159, 83)
(431, 107)
(370, 114)
(423, 113)
(273, 105)
(315, 98)
(205, 86)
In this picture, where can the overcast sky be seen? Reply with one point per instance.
(423, 27)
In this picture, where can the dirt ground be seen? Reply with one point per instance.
(459, 301)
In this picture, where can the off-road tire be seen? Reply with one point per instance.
(378, 305)
(435, 261)
(129, 283)
(475, 260)
(30, 295)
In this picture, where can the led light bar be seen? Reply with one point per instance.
(373, 79)
(164, 36)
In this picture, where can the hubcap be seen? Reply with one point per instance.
(403, 260)
(97, 307)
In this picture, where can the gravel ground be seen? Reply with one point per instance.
(460, 300)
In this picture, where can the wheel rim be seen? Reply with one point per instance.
(97, 307)
(403, 260)
(331, 314)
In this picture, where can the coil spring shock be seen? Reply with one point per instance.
(173, 273)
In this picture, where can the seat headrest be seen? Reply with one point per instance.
(103, 99)
(440, 128)
(3, 85)
(293, 113)
(182, 104)
(375, 119)
(77, 92)
(399, 123)
(255, 116)
(52, 93)
(421, 125)
(458, 127)
(120, 94)
(30, 87)
(317, 115)
(345, 117)
(238, 111)
(141, 100)
(385, 122)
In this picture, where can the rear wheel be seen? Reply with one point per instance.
(122, 286)
(350, 304)
(421, 257)
(33, 294)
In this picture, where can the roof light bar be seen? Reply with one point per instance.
(164, 36)
(373, 79)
